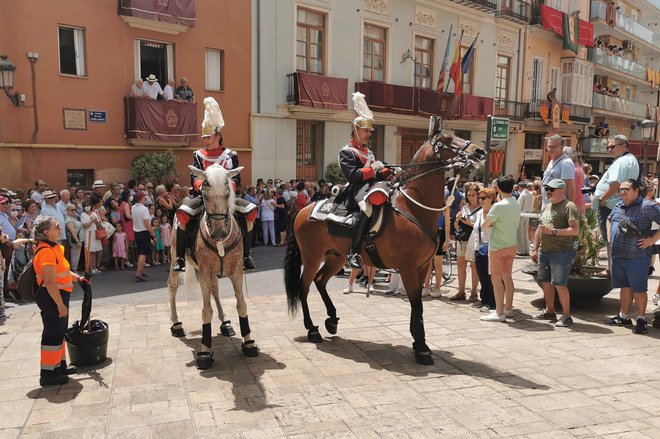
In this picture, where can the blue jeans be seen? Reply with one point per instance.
(555, 266)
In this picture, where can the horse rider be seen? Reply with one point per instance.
(361, 170)
(213, 152)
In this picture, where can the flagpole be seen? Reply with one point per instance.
(474, 43)
(443, 65)
(460, 39)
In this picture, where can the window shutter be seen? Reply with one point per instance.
(213, 70)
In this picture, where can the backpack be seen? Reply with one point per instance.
(27, 281)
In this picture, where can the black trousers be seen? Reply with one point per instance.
(53, 352)
(486, 294)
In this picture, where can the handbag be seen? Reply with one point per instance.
(101, 234)
(483, 246)
(109, 228)
(463, 231)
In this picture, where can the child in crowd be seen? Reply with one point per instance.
(115, 216)
(119, 246)
(158, 213)
(166, 236)
(158, 243)
(152, 211)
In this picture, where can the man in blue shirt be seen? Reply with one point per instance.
(49, 209)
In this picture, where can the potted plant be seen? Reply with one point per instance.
(585, 284)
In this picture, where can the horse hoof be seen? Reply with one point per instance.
(250, 349)
(314, 336)
(424, 358)
(331, 325)
(204, 360)
(177, 330)
(226, 329)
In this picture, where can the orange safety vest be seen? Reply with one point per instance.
(55, 258)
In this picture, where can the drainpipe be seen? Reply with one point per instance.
(34, 102)
(258, 56)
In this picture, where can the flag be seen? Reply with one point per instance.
(467, 58)
(443, 68)
(456, 71)
(571, 28)
(523, 175)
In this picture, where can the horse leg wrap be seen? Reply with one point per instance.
(417, 322)
(245, 326)
(206, 335)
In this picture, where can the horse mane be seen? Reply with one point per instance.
(216, 176)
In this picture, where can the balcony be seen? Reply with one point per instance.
(602, 11)
(594, 146)
(514, 10)
(488, 6)
(317, 91)
(170, 17)
(569, 112)
(626, 108)
(510, 109)
(618, 63)
(149, 122)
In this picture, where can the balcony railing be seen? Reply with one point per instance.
(618, 63)
(512, 110)
(515, 10)
(168, 17)
(317, 91)
(482, 5)
(597, 146)
(150, 121)
(576, 113)
(623, 22)
(621, 105)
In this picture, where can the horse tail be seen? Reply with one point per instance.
(292, 272)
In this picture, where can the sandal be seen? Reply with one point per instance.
(457, 296)
(473, 298)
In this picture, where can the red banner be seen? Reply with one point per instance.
(161, 121)
(476, 107)
(445, 105)
(388, 97)
(173, 11)
(322, 91)
(496, 161)
(552, 20)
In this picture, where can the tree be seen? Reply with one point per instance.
(154, 167)
(333, 174)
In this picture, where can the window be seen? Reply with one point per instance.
(502, 79)
(377, 142)
(80, 177)
(154, 57)
(424, 54)
(309, 149)
(310, 42)
(468, 76)
(463, 134)
(538, 79)
(555, 80)
(577, 82)
(534, 141)
(215, 60)
(374, 51)
(71, 42)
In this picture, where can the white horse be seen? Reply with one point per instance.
(218, 253)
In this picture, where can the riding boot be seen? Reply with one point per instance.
(248, 263)
(359, 228)
(180, 263)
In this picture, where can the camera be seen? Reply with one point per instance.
(588, 190)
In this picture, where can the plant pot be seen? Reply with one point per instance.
(587, 287)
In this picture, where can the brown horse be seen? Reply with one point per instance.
(407, 243)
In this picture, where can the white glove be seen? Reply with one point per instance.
(450, 200)
(377, 165)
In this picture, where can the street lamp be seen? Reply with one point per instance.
(647, 126)
(7, 79)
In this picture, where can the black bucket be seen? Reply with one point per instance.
(87, 342)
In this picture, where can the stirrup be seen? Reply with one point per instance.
(354, 260)
(179, 265)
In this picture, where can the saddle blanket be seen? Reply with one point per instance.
(327, 210)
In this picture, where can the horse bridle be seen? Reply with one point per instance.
(216, 216)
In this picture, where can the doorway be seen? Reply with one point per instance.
(411, 141)
(154, 57)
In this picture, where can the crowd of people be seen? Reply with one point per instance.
(150, 89)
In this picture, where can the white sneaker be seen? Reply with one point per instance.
(435, 293)
(95, 271)
(508, 313)
(426, 292)
(370, 289)
(485, 309)
(656, 299)
(147, 265)
(493, 317)
(348, 289)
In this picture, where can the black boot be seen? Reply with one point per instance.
(180, 263)
(358, 230)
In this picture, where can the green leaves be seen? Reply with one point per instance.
(154, 167)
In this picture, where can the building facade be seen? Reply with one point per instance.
(73, 124)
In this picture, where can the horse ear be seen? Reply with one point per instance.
(234, 172)
(198, 172)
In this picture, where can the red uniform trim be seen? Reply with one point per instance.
(367, 173)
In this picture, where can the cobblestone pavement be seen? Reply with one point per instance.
(524, 378)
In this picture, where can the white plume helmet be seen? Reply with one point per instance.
(365, 117)
(213, 121)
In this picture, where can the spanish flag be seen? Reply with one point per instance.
(456, 71)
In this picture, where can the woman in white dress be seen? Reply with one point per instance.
(90, 220)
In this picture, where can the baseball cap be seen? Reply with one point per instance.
(556, 184)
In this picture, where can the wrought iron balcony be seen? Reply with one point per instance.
(576, 113)
(618, 63)
(512, 110)
(622, 106)
(481, 5)
(514, 10)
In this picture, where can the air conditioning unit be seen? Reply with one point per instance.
(629, 46)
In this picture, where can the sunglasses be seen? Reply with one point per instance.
(625, 189)
(483, 198)
(549, 189)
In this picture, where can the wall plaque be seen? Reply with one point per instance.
(74, 119)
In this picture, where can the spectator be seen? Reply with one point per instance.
(560, 166)
(4, 240)
(578, 179)
(31, 212)
(631, 241)
(554, 251)
(38, 194)
(302, 199)
(184, 92)
(268, 207)
(113, 194)
(152, 88)
(526, 201)
(98, 188)
(166, 235)
(322, 194)
(625, 166)
(456, 205)
(552, 97)
(90, 220)
(168, 91)
(150, 200)
(137, 89)
(281, 218)
(126, 218)
(503, 217)
(73, 229)
(49, 209)
(164, 201)
(144, 234)
(464, 225)
(119, 247)
(56, 283)
(480, 238)
(65, 198)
